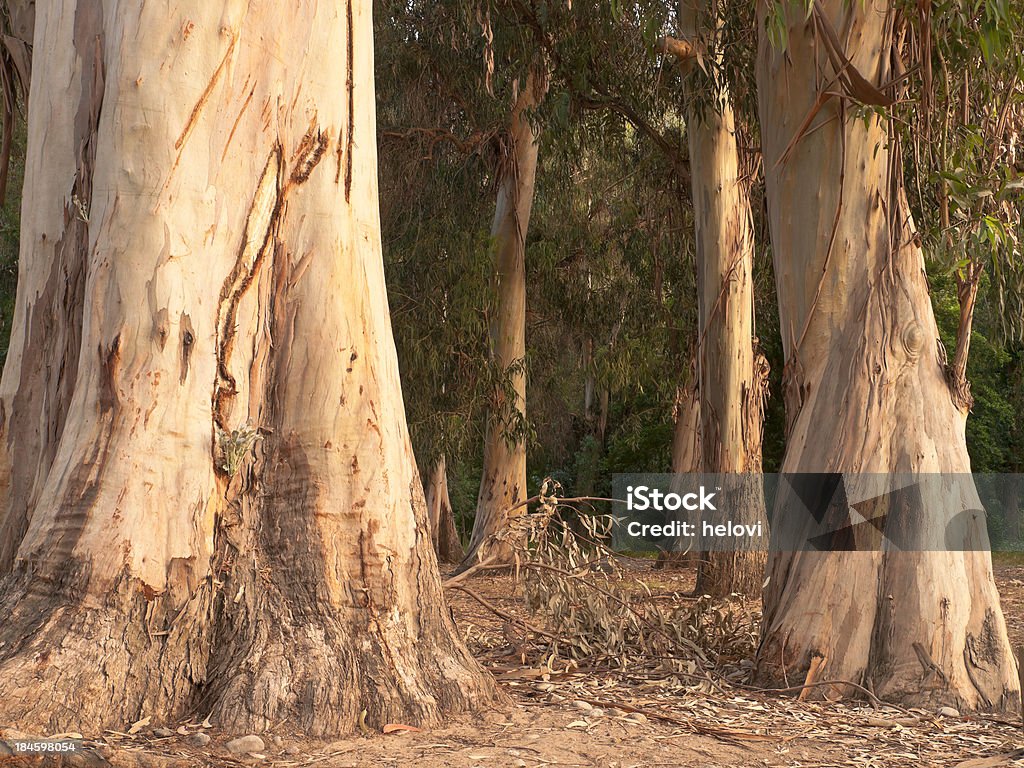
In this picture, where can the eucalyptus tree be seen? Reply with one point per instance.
(732, 374)
(503, 481)
(868, 388)
(209, 495)
(488, 84)
(710, 172)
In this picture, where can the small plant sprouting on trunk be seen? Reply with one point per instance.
(234, 445)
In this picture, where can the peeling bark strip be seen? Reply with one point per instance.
(919, 628)
(308, 154)
(139, 574)
(350, 90)
(257, 240)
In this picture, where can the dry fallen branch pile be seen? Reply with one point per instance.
(601, 637)
(586, 608)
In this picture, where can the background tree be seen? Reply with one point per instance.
(733, 375)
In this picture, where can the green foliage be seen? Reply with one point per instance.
(611, 297)
(963, 118)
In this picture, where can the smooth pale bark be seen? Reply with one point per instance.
(503, 483)
(201, 250)
(732, 376)
(866, 392)
(596, 400)
(443, 533)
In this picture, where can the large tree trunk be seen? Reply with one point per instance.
(443, 533)
(732, 376)
(503, 484)
(866, 390)
(201, 252)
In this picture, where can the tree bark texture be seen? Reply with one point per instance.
(686, 460)
(443, 533)
(201, 256)
(866, 387)
(732, 375)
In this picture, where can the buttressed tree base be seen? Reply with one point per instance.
(211, 499)
(866, 389)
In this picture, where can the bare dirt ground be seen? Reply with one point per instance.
(585, 717)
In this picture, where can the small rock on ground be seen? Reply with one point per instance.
(245, 744)
(199, 739)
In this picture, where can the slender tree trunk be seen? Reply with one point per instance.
(686, 442)
(503, 484)
(866, 389)
(442, 519)
(733, 377)
(686, 460)
(201, 252)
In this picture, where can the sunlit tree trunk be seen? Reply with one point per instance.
(503, 484)
(442, 518)
(732, 376)
(211, 502)
(866, 388)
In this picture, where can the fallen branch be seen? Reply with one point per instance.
(705, 730)
(481, 566)
(504, 614)
(794, 688)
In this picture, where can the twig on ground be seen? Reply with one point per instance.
(504, 614)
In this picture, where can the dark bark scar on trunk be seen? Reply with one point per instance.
(350, 86)
(188, 340)
(310, 150)
(109, 363)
